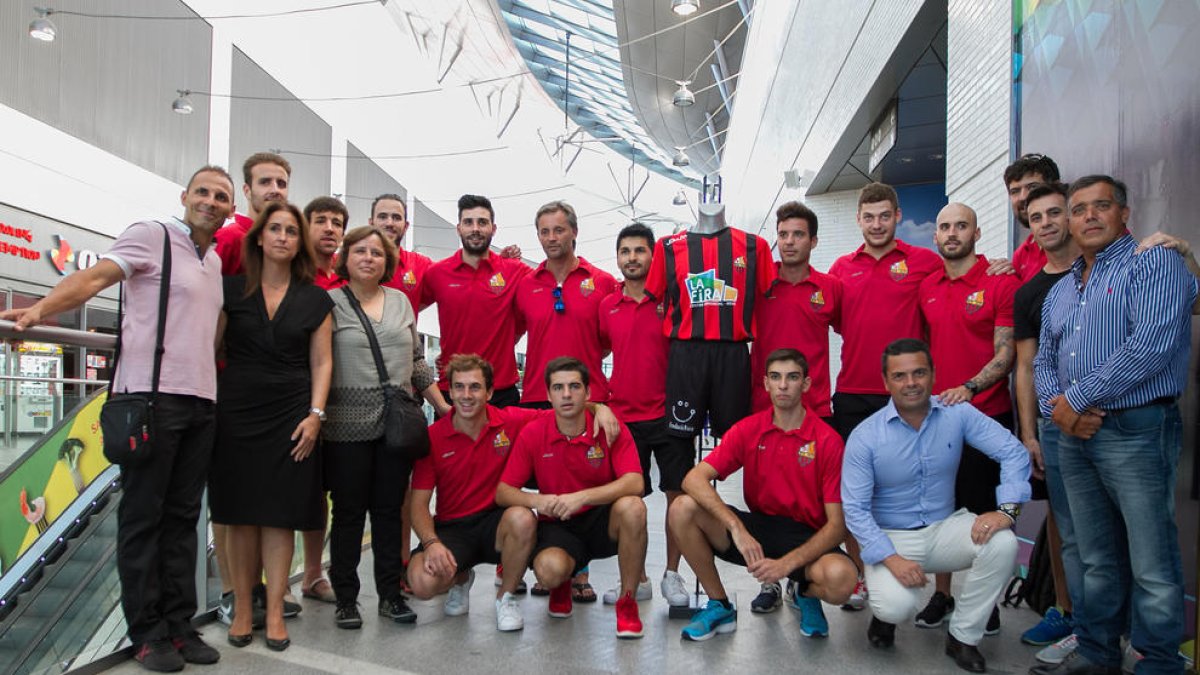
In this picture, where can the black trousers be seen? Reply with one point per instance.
(156, 520)
(365, 478)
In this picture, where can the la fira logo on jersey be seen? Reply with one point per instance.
(706, 289)
(974, 302)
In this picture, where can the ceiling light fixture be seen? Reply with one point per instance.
(680, 158)
(685, 7)
(680, 199)
(42, 28)
(684, 96)
(183, 104)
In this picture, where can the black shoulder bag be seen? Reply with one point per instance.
(405, 429)
(127, 420)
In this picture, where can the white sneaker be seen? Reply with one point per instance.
(1130, 658)
(673, 589)
(508, 614)
(645, 591)
(1059, 651)
(858, 597)
(458, 598)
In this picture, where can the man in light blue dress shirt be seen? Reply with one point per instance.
(1112, 361)
(898, 495)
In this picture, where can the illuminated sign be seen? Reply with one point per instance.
(62, 255)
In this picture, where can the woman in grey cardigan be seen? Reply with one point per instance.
(362, 475)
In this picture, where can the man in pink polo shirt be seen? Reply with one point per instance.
(970, 318)
(558, 304)
(266, 177)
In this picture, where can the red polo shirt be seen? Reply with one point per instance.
(633, 331)
(410, 269)
(962, 315)
(475, 311)
(575, 331)
(784, 473)
(228, 241)
(466, 471)
(328, 280)
(1028, 259)
(798, 316)
(879, 305)
(564, 466)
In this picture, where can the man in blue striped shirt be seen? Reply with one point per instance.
(898, 476)
(1112, 361)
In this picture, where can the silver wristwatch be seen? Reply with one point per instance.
(318, 412)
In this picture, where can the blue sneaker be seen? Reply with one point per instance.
(1053, 627)
(812, 617)
(713, 619)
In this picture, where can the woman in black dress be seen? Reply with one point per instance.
(266, 476)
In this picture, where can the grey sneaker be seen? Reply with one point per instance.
(1059, 651)
(458, 599)
(769, 599)
(645, 591)
(225, 612)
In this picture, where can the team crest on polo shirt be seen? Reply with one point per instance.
(740, 262)
(661, 309)
(817, 300)
(409, 279)
(501, 443)
(595, 455)
(587, 286)
(898, 270)
(807, 453)
(974, 302)
(497, 283)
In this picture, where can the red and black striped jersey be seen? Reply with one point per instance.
(709, 283)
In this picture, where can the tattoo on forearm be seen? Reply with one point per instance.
(1000, 365)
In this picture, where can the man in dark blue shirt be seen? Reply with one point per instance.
(1112, 361)
(898, 479)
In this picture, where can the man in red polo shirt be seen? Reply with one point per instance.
(590, 500)
(1019, 178)
(389, 214)
(475, 291)
(327, 218)
(631, 326)
(970, 318)
(266, 177)
(559, 302)
(792, 464)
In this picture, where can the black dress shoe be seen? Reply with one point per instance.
(241, 640)
(881, 634)
(1074, 664)
(966, 656)
(278, 645)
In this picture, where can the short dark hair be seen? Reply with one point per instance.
(264, 158)
(211, 168)
(558, 206)
(1046, 189)
(465, 363)
(327, 205)
(392, 196)
(638, 231)
(1031, 163)
(568, 364)
(475, 202)
(905, 346)
(797, 210)
(787, 354)
(878, 192)
(358, 234)
(1120, 192)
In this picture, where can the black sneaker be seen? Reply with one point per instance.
(993, 624)
(258, 617)
(935, 612)
(159, 656)
(290, 609)
(770, 597)
(346, 616)
(195, 650)
(397, 610)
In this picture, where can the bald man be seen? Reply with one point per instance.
(970, 319)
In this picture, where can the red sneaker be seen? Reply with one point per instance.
(629, 624)
(560, 600)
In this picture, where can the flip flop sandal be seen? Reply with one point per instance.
(320, 589)
(583, 593)
(539, 590)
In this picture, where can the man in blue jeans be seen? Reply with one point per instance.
(1111, 364)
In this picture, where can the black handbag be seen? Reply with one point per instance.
(127, 420)
(405, 429)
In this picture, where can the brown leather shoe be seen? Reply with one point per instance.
(966, 656)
